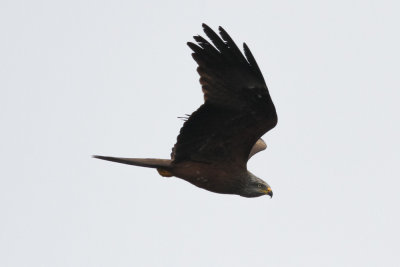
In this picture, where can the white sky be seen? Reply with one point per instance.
(110, 77)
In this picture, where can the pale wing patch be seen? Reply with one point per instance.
(260, 145)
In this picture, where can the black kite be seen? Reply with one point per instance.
(218, 139)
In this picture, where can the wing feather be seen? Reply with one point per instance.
(231, 44)
(238, 109)
(252, 61)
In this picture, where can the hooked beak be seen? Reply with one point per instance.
(269, 192)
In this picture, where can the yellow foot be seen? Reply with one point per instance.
(164, 173)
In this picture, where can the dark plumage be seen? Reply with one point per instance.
(217, 140)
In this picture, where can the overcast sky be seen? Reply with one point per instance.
(83, 77)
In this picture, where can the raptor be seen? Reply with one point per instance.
(217, 140)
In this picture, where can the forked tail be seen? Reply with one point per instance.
(149, 163)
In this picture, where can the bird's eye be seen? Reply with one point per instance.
(259, 185)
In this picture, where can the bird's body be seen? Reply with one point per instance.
(217, 140)
(214, 179)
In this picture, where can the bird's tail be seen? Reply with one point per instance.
(162, 165)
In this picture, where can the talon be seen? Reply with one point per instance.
(164, 173)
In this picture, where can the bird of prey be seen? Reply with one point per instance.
(218, 139)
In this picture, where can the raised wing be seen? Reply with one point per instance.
(237, 111)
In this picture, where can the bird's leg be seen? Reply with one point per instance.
(164, 172)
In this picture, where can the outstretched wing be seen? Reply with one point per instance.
(237, 107)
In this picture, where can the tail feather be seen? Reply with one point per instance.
(149, 163)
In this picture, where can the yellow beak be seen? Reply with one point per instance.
(269, 192)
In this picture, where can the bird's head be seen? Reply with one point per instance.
(256, 187)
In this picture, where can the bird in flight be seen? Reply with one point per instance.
(218, 139)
